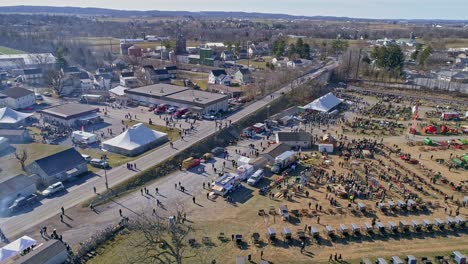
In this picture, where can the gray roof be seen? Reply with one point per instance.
(60, 161)
(17, 92)
(16, 183)
(12, 132)
(198, 98)
(157, 90)
(276, 149)
(70, 69)
(294, 136)
(32, 71)
(69, 111)
(44, 253)
(218, 72)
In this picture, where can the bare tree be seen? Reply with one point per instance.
(160, 240)
(22, 156)
(57, 80)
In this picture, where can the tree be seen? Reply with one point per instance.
(56, 79)
(278, 47)
(228, 45)
(60, 55)
(424, 55)
(339, 45)
(167, 44)
(22, 156)
(390, 58)
(160, 241)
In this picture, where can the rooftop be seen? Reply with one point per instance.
(43, 253)
(69, 110)
(157, 90)
(17, 92)
(294, 136)
(16, 183)
(198, 98)
(60, 161)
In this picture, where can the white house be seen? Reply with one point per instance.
(18, 98)
(33, 76)
(85, 82)
(219, 77)
(103, 81)
(298, 63)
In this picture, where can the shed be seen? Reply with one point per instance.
(50, 252)
(17, 186)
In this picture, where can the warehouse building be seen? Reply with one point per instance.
(71, 115)
(197, 101)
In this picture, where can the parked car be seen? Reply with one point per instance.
(54, 188)
(38, 97)
(171, 110)
(99, 163)
(86, 157)
(22, 202)
(48, 94)
(208, 117)
(256, 177)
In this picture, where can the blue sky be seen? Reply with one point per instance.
(431, 9)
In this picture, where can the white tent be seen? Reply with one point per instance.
(4, 143)
(135, 140)
(10, 118)
(16, 247)
(324, 103)
(6, 254)
(119, 90)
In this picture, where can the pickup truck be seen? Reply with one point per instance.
(22, 202)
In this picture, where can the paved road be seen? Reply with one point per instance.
(83, 190)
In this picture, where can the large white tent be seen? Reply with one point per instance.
(16, 247)
(324, 103)
(135, 140)
(10, 118)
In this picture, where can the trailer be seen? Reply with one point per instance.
(405, 227)
(392, 227)
(271, 235)
(284, 212)
(365, 261)
(391, 205)
(83, 137)
(361, 207)
(245, 171)
(314, 232)
(411, 204)
(368, 228)
(439, 223)
(381, 261)
(329, 231)
(225, 184)
(380, 227)
(460, 221)
(402, 205)
(283, 161)
(449, 221)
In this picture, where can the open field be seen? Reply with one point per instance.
(256, 64)
(9, 51)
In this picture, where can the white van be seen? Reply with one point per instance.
(256, 177)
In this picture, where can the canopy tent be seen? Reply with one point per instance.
(16, 247)
(118, 91)
(6, 254)
(10, 118)
(135, 140)
(324, 104)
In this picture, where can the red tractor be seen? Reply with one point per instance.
(430, 130)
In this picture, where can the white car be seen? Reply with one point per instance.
(54, 188)
(256, 177)
(171, 110)
(208, 117)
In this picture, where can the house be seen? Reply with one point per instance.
(294, 139)
(243, 76)
(280, 62)
(103, 81)
(60, 166)
(32, 60)
(460, 77)
(17, 186)
(53, 251)
(162, 75)
(228, 56)
(18, 98)
(70, 70)
(130, 82)
(410, 42)
(326, 144)
(33, 76)
(85, 81)
(274, 151)
(298, 63)
(219, 77)
(172, 71)
(243, 54)
(16, 136)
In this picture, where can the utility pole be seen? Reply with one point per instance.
(105, 175)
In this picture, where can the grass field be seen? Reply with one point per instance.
(9, 51)
(256, 64)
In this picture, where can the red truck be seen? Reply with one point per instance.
(179, 113)
(160, 109)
